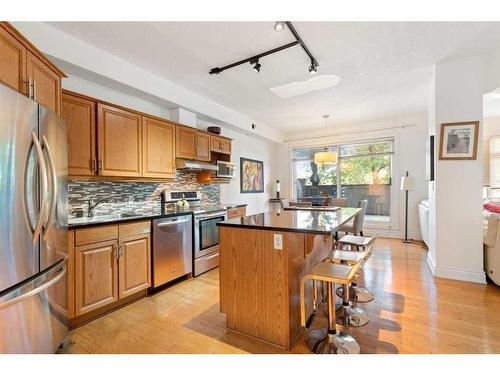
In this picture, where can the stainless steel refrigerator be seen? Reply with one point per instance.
(33, 226)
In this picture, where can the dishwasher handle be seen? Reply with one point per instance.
(173, 222)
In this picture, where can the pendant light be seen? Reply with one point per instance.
(325, 156)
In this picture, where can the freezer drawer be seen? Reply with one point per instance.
(33, 317)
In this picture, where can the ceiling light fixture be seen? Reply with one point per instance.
(279, 26)
(313, 69)
(325, 156)
(256, 65)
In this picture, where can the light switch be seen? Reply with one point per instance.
(278, 242)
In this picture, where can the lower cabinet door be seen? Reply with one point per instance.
(96, 276)
(134, 264)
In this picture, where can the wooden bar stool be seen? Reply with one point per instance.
(329, 340)
(357, 243)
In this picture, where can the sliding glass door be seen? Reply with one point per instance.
(363, 171)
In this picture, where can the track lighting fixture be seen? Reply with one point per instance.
(279, 26)
(254, 60)
(256, 65)
(313, 69)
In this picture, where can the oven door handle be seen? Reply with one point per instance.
(200, 218)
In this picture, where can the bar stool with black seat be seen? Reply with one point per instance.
(329, 340)
(356, 243)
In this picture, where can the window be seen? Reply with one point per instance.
(363, 171)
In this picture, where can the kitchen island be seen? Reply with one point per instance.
(262, 260)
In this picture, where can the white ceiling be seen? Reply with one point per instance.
(385, 68)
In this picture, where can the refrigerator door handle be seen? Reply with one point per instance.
(37, 290)
(53, 198)
(43, 185)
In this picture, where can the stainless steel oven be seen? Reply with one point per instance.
(206, 240)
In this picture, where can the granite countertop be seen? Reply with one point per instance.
(303, 221)
(81, 222)
(123, 217)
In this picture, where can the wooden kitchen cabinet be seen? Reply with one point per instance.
(202, 146)
(158, 145)
(220, 144)
(12, 62)
(134, 264)
(46, 86)
(119, 135)
(108, 266)
(185, 142)
(79, 114)
(25, 69)
(96, 276)
(236, 212)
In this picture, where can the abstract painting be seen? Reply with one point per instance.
(251, 176)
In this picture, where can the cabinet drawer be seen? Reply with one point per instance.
(137, 227)
(236, 212)
(87, 236)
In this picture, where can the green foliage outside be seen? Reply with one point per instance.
(361, 170)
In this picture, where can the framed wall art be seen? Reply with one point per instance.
(251, 176)
(459, 140)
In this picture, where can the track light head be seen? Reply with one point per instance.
(256, 65)
(313, 69)
(279, 26)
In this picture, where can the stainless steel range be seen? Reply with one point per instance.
(206, 231)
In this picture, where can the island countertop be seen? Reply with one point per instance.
(300, 221)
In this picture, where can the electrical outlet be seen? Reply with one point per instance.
(278, 241)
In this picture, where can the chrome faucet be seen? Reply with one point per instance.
(92, 205)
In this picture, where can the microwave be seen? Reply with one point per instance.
(226, 169)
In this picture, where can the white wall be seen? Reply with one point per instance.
(410, 136)
(249, 147)
(456, 245)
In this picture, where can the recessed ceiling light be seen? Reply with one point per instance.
(279, 26)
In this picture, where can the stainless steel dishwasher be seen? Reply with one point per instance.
(172, 248)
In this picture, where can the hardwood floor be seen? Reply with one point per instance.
(412, 313)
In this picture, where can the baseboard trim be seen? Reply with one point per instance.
(431, 263)
(459, 274)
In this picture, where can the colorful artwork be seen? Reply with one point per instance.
(251, 176)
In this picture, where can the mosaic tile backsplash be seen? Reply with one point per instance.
(137, 197)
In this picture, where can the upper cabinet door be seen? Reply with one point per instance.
(202, 146)
(158, 147)
(185, 142)
(225, 146)
(119, 142)
(46, 83)
(12, 62)
(79, 114)
(214, 143)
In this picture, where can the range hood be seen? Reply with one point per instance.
(191, 165)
